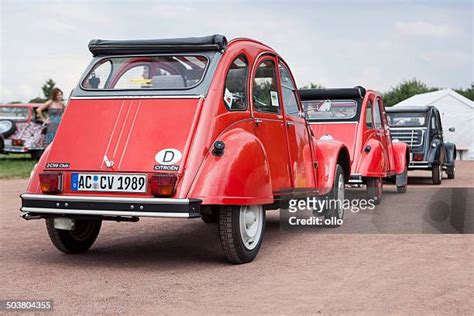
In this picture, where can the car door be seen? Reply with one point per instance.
(269, 124)
(387, 136)
(380, 132)
(437, 134)
(301, 167)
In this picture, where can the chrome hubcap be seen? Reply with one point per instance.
(251, 225)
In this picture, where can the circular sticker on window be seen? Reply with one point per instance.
(168, 156)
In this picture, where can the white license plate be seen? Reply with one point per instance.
(108, 182)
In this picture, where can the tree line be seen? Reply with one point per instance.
(407, 89)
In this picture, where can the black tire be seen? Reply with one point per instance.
(437, 174)
(232, 242)
(9, 127)
(375, 189)
(76, 241)
(451, 172)
(36, 154)
(336, 213)
(403, 188)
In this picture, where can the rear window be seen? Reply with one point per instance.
(13, 113)
(170, 72)
(406, 119)
(330, 109)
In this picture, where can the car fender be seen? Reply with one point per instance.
(401, 156)
(450, 153)
(434, 151)
(240, 176)
(328, 153)
(371, 160)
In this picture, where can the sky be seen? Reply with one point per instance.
(376, 44)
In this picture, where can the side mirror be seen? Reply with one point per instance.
(452, 129)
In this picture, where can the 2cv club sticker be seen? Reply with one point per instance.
(167, 159)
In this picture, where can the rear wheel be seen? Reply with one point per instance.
(375, 189)
(451, 172)
(336, 212)
(241, 230)
(80, 239)
(437, 173)
(403, 188)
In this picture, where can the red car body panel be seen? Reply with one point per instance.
(261, 161)
(384, 158)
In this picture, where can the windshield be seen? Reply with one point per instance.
(330, 109)
(406, 119)
(170, 72)
(13, 113)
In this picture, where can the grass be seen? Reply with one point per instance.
(16, 166)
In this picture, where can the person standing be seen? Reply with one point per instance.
(55, 107)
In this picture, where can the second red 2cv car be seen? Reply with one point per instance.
(193, 127)
(357, 117)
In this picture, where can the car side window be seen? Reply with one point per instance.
(235, 90)
(377, 115)
(288, 91)
(265, 92)
(368, 115)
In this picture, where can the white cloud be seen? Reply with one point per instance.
(424, 29)
(333, 43)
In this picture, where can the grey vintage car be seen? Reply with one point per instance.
(420, 127)
(21, 130)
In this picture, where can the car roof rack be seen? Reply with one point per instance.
(323, 94)
(99, 47)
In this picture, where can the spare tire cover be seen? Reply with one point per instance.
(7, 127)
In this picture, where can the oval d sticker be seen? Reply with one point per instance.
(168, 156)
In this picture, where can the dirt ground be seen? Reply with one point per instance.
(406, 257)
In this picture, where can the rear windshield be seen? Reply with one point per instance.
(13, 113)
(330, 109)
(170, 72)
(406, 119)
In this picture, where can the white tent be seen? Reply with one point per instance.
(456, 111)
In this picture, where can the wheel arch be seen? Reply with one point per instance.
(240, 176)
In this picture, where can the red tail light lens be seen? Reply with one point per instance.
(17, 142)
(163, 185)
(418, 157)
(51, 182)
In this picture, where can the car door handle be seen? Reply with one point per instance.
(258, 121)
(290, 123)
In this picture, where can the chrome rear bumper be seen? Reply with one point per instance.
(82, 205)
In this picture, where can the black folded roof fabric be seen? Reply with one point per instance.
(323, 94)
(100, 47)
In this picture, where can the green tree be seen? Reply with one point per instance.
(47, 88)
(468, 93)
(405, 90)
(38, 100)
(15, 102)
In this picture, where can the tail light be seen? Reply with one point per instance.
(418, 157)
(17, 142)
(163, 185)
(51, 182)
